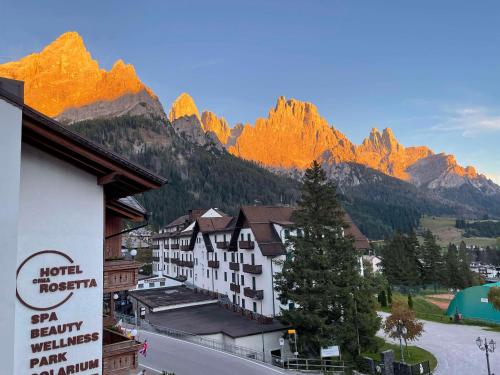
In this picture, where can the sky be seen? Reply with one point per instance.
(430, 70)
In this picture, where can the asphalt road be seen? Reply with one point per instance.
(455, 348)
(184, 358)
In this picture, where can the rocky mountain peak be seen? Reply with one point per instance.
(217, 125)
(183, 106)
(64, 76)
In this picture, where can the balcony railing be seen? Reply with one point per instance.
(174, 246)
(247, 245)
(233, 266)
(108, 321)
(155, 247)
(180, 278)
(175, 260)
(185, 248)
(234, 288)
(120, 275)
(252, 268)
(222, 245)
(119, 353)
(252, 293)
(186, 263)
(213, 263)
(166, 259)
(156, 259)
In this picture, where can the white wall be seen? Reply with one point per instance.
(61, 208)
(10, 155)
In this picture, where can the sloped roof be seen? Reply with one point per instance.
(360, 240)
(132, 203)
(214, 224)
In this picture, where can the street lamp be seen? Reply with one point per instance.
(487, 347)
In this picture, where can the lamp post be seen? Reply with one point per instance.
(487, 347)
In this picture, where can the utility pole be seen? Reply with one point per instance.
(487, 347)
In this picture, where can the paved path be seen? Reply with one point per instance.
(184, 358)
(455, 348)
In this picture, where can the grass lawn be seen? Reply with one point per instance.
(423, 309)
(412, 354)
(444, 229)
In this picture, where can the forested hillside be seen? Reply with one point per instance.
(207, 177)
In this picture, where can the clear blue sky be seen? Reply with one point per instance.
(430, 70)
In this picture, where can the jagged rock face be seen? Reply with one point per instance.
(292, 136)
(64, 76)
(189, 127)
(216, 125)
(381, 151)
(183, 106)
(234, 135)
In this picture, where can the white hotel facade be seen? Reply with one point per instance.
(236, 257)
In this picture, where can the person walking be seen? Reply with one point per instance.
(144, 349)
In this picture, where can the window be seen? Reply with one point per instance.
(225, 276)
(253, 259)
(233, 277)
(216, 275)
(225, 256)
(287, 233)
(234, 299)
(241, 257)
(243, 302)
(254, 307)
(242, 280)
(207, 255)
(167, 269)
(215, 256)
(238, 300)
(242, 237)
(232, 257)
(141, 286)
(224, 238)
(215, 238)
(249, 238)
(162, 283)
(208, 274)
(196, 261)
(253, 282)
(190, 273)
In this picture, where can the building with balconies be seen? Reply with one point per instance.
(237, 257)
(63, 202)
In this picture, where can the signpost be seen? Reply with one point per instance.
(330, 351)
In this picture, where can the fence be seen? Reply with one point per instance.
(196, 339)
(324, 366)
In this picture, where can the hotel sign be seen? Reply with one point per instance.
(49, 284)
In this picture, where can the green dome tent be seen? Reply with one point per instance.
(473, 303)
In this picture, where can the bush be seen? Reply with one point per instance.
(382, 299)
(410, 302)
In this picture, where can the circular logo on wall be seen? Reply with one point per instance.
(49, 278)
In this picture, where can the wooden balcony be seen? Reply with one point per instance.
(252, 293)
(222, 245)
(234, 288)
(119, 353)
(213, 263)
(174, 246)
(247, 245)
(252, 268)
(233, 266)
(120, 275)
(155, 247)
(175, 260)
(108, 321)
(156, 259)
(185, 248)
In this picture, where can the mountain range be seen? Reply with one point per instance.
(64, 81)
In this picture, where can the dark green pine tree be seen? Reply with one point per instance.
(466, 276)
(452, 273)
(400, 260)
(432, 260)
(333, 303)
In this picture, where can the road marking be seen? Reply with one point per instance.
(218, 351)
(150, 368)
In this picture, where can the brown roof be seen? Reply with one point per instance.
(260, 219)
(214, 224)
(360, 241)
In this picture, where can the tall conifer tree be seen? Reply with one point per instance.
(333, 304)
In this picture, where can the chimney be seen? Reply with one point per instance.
(14, 88)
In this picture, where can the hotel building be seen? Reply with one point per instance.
(63, 201)
(233, 257)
